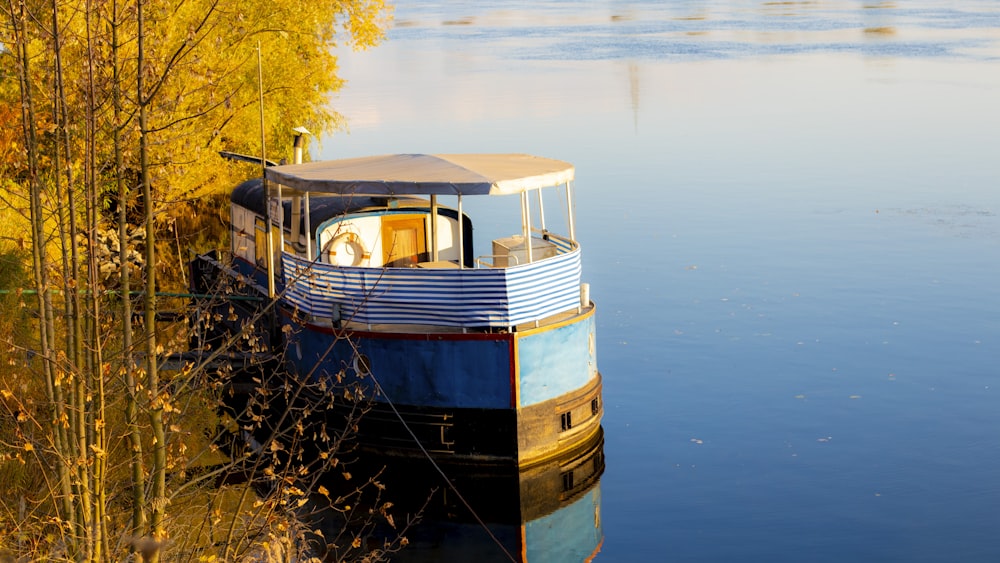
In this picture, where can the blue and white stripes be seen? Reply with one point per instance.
(495, 297)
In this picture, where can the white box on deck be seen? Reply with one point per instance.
(511, 251)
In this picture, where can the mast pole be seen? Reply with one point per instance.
(263, 174)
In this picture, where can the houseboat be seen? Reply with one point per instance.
(479, 357)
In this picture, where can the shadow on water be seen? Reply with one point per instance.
(548, 512)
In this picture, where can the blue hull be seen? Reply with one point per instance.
(520, 396)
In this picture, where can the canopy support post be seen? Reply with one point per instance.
(541, 210)
(281, 230)
(309, 246)
(298, 148)
(461, 237)
(296, 219)
(526, 225)
(569, 212)
(434, 220)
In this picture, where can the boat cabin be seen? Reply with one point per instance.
(362, 231)
(328, 230)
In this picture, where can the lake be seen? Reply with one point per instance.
(789, 219)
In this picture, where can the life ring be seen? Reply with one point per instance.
(346, 249)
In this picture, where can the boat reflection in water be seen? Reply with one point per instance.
(550, 512)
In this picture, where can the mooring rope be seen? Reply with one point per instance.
(439, 470)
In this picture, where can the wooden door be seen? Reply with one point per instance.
(404, 240)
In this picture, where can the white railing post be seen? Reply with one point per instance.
(569, 212)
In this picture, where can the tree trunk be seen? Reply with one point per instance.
(131, 390)
(159, 470)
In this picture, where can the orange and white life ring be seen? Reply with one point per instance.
(346, 249)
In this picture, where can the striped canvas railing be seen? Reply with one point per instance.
(563, 244)
(493, 297)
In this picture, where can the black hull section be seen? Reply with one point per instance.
(459, 435)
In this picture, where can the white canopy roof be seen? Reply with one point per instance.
(442, 174)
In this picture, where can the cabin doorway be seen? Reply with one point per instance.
(404, 240)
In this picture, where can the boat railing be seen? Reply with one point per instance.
(490, 260)
(461, 298)
(563, 244)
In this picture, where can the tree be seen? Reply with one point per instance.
(123, 108)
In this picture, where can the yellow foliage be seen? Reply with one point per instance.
(199, 86)
(200, 79)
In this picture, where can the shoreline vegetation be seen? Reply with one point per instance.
(111, 121)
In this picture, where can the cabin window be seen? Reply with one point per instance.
(242, 233)
(362, 365)
(404, 240)
(566, 420)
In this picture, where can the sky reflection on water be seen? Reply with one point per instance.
(789, 218)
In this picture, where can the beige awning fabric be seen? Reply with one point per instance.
(441, 174)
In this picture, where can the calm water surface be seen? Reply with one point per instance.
(789, 219)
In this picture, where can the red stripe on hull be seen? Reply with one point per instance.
(429, 336)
